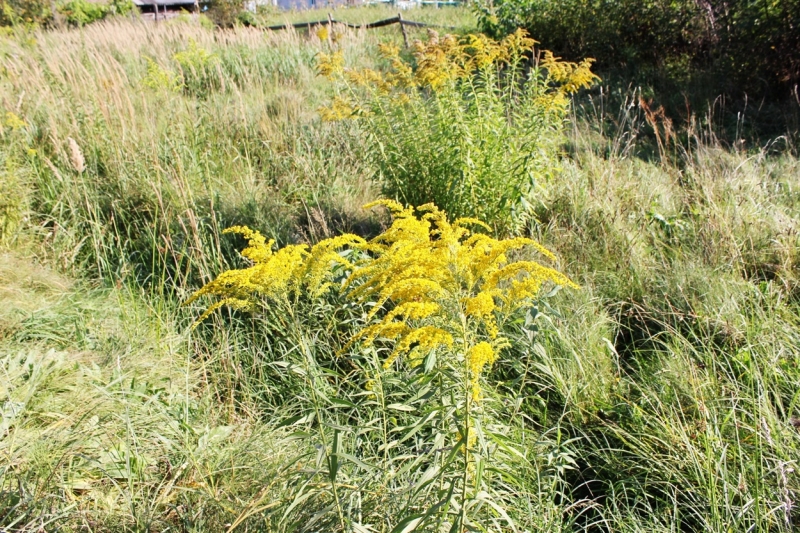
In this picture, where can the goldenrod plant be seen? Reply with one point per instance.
(436, 296)
(465, 124)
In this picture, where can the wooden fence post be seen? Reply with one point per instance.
(403, 29)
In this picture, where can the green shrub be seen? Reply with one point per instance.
(196, 74)
(121, 7)
(82, 12)
(75, 12)
(14, 12)
(747, 45)
(197, 68)
(226, 13)
(467, 128)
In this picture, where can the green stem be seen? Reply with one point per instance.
(321, 429)
(467, 422)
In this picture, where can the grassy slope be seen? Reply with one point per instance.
(663, 399)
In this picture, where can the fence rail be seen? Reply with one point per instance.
(368, 26)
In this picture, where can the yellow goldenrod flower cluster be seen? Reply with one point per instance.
(446, 285)
(568, 79)
(13, 121)
(275, 275)
(431, 284)
(195, 58)
(441, 61)
(338, 110)
(570, 76)
(479, 356)
(482, 307)
(322, 33)
(329, 65)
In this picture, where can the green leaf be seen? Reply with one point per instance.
(333, 459)
(289, 421)
(342, 403)
(408, 524)
(357, 461)
(419, 425)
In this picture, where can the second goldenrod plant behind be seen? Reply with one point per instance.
(465, 124)
(435, 297)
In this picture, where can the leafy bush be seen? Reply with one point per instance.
(196, 75)
(159, 78)
(466, 125)
(197, 69)
(757, 41)
(435, 296)
(121, 7)
(753, 44)
(226, 13)
(82, 12)
(24, 12)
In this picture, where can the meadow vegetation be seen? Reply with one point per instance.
(624, 357)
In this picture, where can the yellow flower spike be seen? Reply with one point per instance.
(370, 78)
(482, 307)
(330, 65)
(391, 205)
(389, 50)
(258, 249)
(571, 76)
(323, 256)
(478, 357)
(339, 109)
(518, 43)
(233, 303)
(427, 338)
(385, 330)
(474, 221)
(273, 275)
(470, 443)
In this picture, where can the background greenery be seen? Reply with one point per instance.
(685, 53)
(662, 396)
(73, 12)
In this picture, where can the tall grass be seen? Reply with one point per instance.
(662, 396)
(163, 167)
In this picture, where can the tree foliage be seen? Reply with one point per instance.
(14, 12)
(753, 45)
(75, 12)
